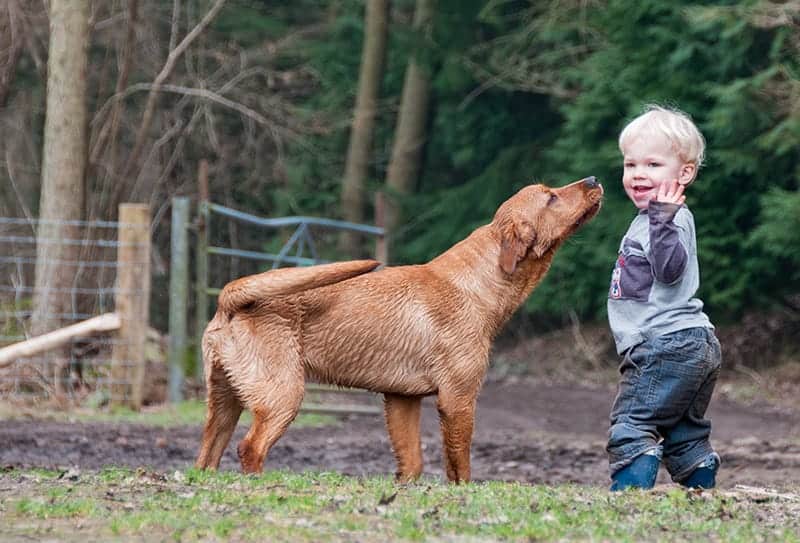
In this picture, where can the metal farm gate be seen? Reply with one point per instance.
(297, 241)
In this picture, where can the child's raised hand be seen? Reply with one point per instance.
(671, 193)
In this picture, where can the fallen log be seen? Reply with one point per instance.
(106, 322)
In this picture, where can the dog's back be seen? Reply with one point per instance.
(379, 331)
(399, 330)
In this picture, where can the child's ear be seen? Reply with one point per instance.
(687, 173)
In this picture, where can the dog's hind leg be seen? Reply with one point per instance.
(274, 400)
(269, 424)
(224, 410)
(402, 421)
(456, 416)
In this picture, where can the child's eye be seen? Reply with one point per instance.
(654, 164)
(628, 165)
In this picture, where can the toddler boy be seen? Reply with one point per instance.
(671, 357)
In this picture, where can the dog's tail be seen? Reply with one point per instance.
(282, 281)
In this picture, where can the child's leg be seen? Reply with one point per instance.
(661, 381)
(633, 439)
(686, 444)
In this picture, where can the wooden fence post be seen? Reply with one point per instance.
(201, 263)
(178, 295)
(132, 301)
(381, 249)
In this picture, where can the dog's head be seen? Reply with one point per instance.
(538, 218)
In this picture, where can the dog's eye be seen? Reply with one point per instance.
(552, 199)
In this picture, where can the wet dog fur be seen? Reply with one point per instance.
(406, 332)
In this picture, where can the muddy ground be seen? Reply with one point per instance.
(527, 430)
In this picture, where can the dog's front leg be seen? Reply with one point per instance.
(402, 422)
(456, 416)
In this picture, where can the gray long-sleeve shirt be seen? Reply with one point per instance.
(655, 277)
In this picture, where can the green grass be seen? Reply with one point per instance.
(190, 412)
(282, 506)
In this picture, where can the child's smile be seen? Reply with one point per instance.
(641, 191)
(649, 162)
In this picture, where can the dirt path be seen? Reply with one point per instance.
(534, 432)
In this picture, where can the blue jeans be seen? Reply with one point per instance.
(663, 395)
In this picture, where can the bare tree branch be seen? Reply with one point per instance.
(14, 50)
(172, 58)
(111, 126)
(178, 148)
(212, 96)
(162, 141)
(173, 33)
(17, 193)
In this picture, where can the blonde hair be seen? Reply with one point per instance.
(675, 125)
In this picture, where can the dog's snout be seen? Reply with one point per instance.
(591, 182)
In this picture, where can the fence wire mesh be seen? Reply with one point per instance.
(54, 274)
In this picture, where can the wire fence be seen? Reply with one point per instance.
(54, 274)
(59, 278)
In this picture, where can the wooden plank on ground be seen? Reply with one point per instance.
(102, 323)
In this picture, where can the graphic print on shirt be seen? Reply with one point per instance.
(632, 278)
(616, 291)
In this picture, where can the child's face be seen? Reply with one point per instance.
(649, 162)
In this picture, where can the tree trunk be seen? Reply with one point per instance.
(410, 133)
(63, 161)
(361, 134)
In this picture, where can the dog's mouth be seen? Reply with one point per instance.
(588, 214)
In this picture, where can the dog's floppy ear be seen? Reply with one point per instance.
(516, 238)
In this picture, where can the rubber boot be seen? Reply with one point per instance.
(641, 473)
(704, 475)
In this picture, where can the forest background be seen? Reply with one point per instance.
(511, 92)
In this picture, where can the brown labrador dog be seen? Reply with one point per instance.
(406, 332)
